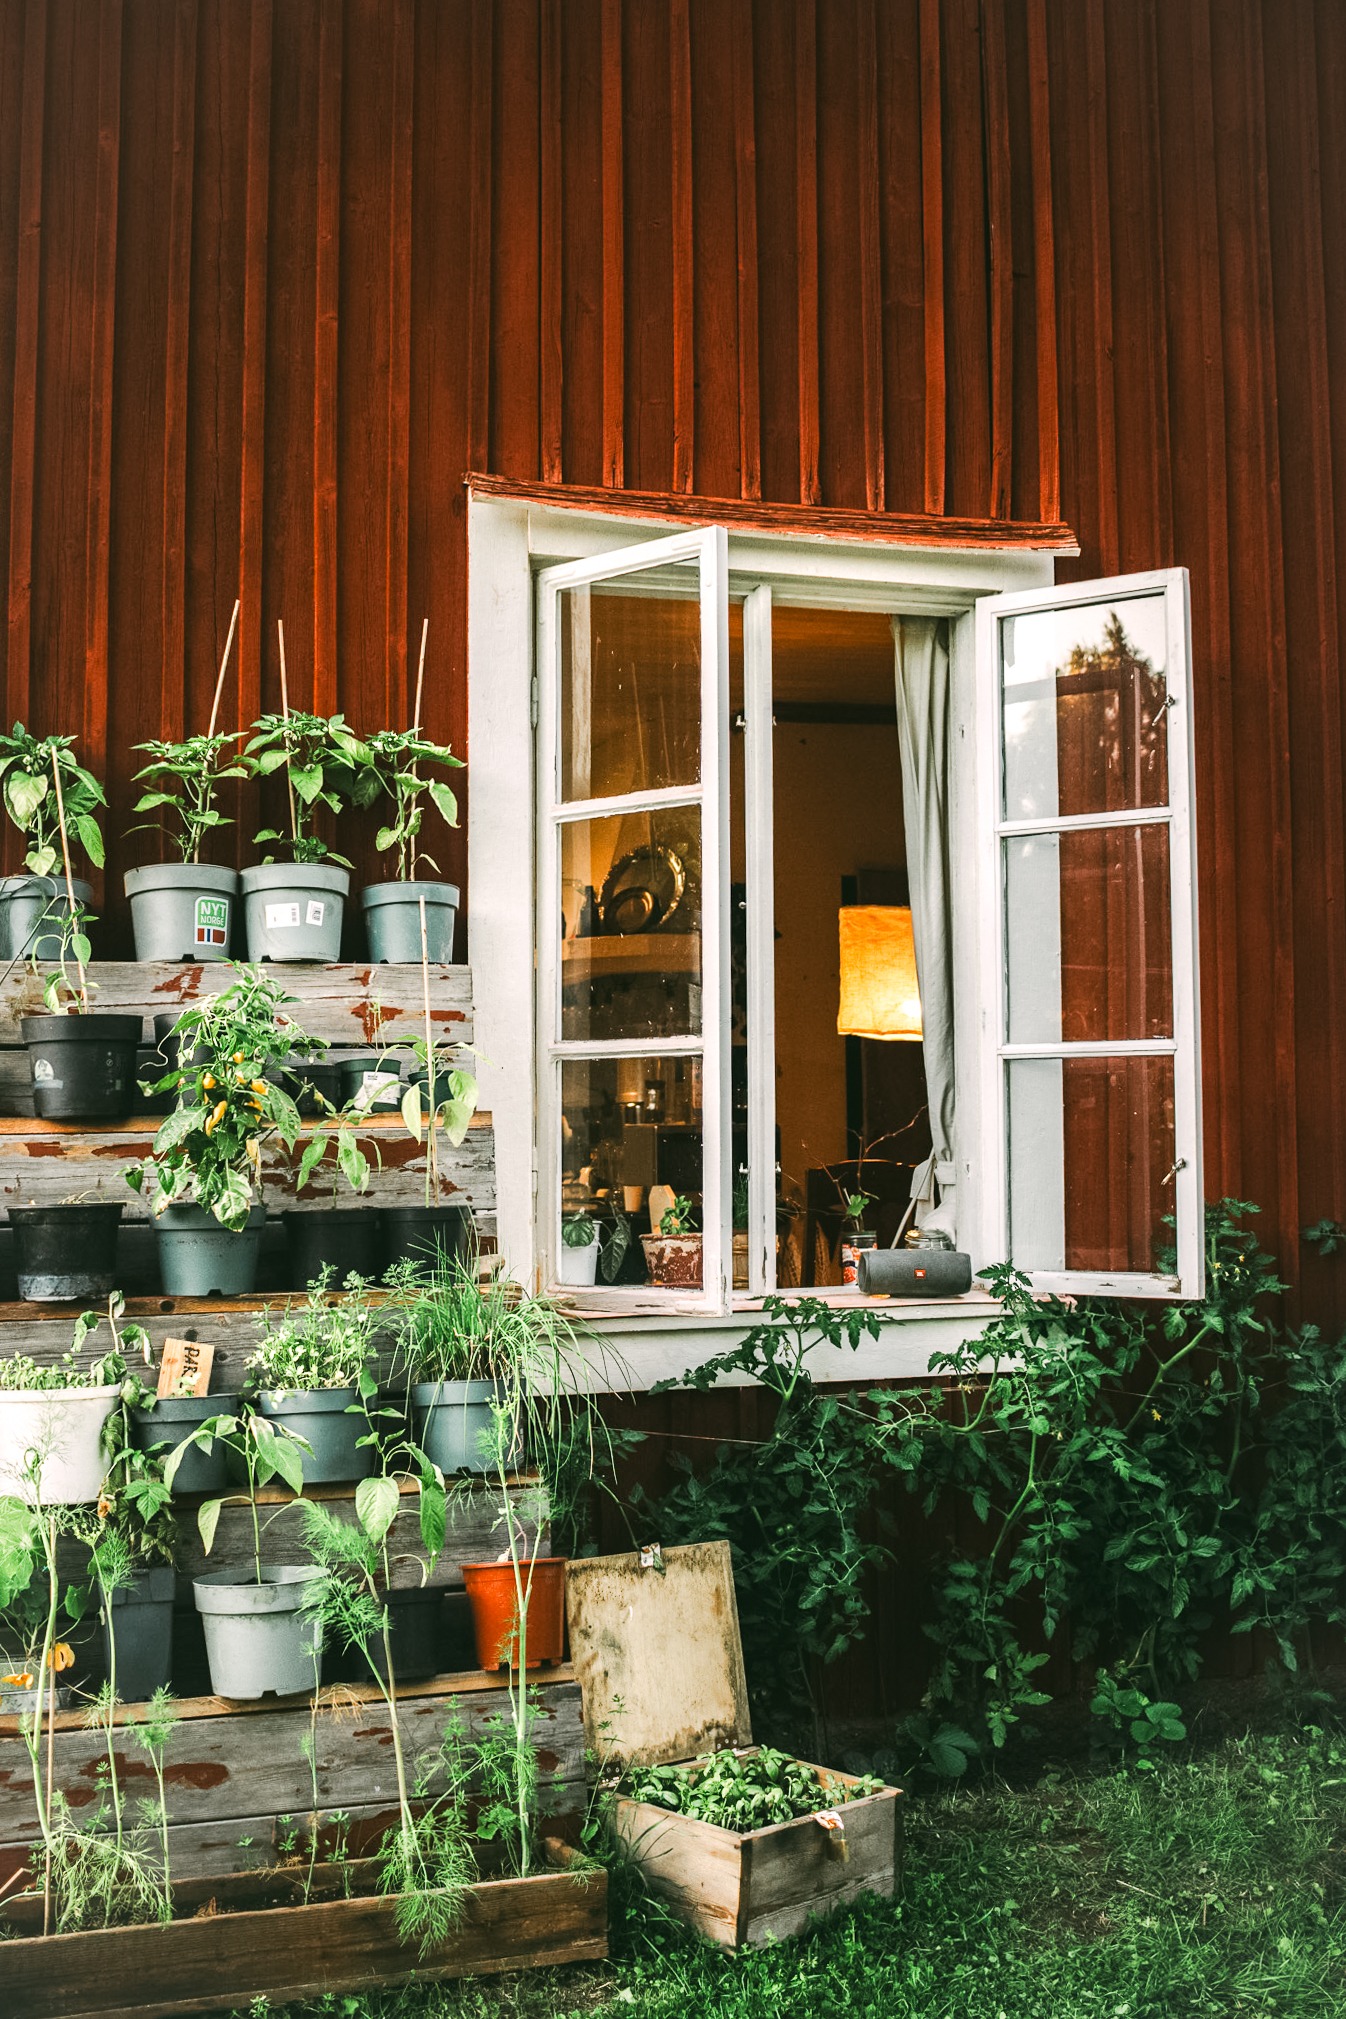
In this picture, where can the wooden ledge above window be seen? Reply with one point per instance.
(902, 529)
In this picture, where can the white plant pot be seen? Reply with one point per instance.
(64, 1426)
(578, 1266)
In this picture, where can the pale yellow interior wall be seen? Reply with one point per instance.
(838, 801)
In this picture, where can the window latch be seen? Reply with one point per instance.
(1169, 701)
(1181, 1165)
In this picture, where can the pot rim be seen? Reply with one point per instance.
(209, 1405)
(539, 1563)
(281, 1589)
(307, 875)
(31, 1213)
(399, 891)
(306, 1401)
(450, 1394)
(79, 1028)
(208, 1224)
(50, 1396)
(151, 876)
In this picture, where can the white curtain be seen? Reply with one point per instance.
(922, 648)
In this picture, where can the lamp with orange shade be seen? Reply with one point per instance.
(880, 996)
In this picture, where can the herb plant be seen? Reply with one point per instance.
(579, 1230)
(676, 1220)
(325, 765)
(325, 1342)
(395, 760)
(182, 781)
(744, 1791)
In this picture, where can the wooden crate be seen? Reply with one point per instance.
(225, 1951)
(657, 1651)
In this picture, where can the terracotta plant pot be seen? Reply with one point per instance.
(673, 1260)
(493, 1596)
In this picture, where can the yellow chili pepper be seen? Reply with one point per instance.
(217, 1116)
(258, 1086)
(208, 1080)
(61, 1656)
(238, 1058)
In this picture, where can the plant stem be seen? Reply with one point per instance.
(105, 1594)
(69, 879)
(431, 1088)
(204, 794)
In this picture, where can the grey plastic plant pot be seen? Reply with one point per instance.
(31, 904)
(182, 910)
(200, 1258)
(257, 1638)
(292, 910)
(64, 1252)
(455, 1423)
(320, 1416)
(142, 1627)
(393, 920)
(174, 1417)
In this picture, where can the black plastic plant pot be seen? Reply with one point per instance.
(142, 1627)
(169, 1047)
(175, 1417)
(65, 1252)
(83, 1067)
(306, 1079)
(340, 1238)
(424, 1233)
(416, 1629)
(372, 1081)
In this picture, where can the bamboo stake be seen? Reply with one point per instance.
(285, 716)
(224, 664)
(420, 676)
(431, 1086)
(69, 878)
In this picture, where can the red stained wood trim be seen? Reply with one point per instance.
(614, 250)
(871, 266)
(1044, 263)
(1105, 419)
(996, 114)
(806, 243)
(932, 206)
(479, 255)
(398, 700)
(327, 276)
(745, 166)
(549, 251)
(98, 509)
(249, 649)
(908, 529)
(173, 677)
(23, 439)
(680, 125)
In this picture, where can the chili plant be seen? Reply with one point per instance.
(325, 765)
(266, 1450)
(32, 768)
(182, 782)
(395, 759)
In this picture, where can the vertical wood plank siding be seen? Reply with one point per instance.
(273, 278)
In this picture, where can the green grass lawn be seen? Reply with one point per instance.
(1214, 1885)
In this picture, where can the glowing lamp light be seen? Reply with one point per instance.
(880, 997)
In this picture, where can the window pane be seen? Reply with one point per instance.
(628, 1125)
(1083, 696)
(1087, 929)
(630, 688)
(631, 912)
(1090, 1157)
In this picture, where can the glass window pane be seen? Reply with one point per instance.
(631, 920)
(630, 716)
(1090, 1158)
(1088, 933)
(627, 1126)
(1083, 697)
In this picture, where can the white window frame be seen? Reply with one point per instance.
(708, 551)
(1183, 1047)
(509, 541)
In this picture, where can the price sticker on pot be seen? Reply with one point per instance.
(185, 1367)
(279, 917)
(316, 913)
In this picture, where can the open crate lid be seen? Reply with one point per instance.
(656, 1648)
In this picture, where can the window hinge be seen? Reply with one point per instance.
(532, 702)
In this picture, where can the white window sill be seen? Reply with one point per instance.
(638, 1340)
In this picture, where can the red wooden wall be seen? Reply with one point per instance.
(275, 273)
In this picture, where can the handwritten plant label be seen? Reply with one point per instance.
(185, 1367)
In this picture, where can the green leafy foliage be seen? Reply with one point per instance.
(676, 1218)
(325, 764)
(29, 791)
(324, 1342)
(396, 758)
(182, 781)
(745, 1790)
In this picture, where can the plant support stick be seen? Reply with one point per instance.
(69, 878)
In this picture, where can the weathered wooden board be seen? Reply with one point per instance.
(240, 1763)
(284, 1953)
(347, 1004)
(48, 1163)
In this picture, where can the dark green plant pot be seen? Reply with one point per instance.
(64, 1252)
(306, 1079)
(327, 1421)
(83, 1067)
(174, 1417)
(257, 1638)
(142, 1624)
(453, 1423)
(416, 1631)
(200, 1258)
(292, 910)
(393, 920)
(182, 910)
(423, 1233)
(32, 905)
(341, 1238)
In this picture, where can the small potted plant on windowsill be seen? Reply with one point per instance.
(393, 910)
(311, 1374)
(581, 1247)
(202, 1177)
(673, 1255)
(184, 910)
(293, 908)
(855, 1236)
(259, 1637)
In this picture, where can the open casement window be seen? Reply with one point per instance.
(633, 898)
(1090, 939)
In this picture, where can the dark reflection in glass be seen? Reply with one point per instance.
(631, 906)
(631, 1135)
(630, 689)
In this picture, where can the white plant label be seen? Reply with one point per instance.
(317, 911)
(281, 916)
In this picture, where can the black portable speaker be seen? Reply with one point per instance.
(914, 1272)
